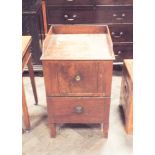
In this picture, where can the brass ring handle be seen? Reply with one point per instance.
(78, 109)
(77, 78)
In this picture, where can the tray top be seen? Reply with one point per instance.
(78, 47)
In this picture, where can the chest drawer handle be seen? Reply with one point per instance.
(119, 18)
(70, 0)
(77, 78)
(70, 19)
(117, 36)
(78, 109)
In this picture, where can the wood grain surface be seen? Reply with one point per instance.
(26, 40)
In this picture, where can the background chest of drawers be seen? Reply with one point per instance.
(117, 14)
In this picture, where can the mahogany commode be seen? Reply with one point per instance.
(77, 67)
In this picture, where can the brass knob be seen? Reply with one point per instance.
(113, 33)
(77, 78)
(74, 16)
(123, 14)
(121, 33)
(78, 109)
(66, 16)
(119, 52)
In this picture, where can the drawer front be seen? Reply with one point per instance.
(126, 92)
(121, 33)
(128, 80)
(77, 78)
(77, 109)
(113, 2)
(124, 98)
(65, 15)
(123, 51)
(113, 14)
(68, 2)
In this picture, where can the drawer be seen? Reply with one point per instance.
(77, 78)
(68, 2)
(121, 32)
(128, 82)
(113, 14)
(124, 98)
(113, 2)
(77, 109)
(127, 91)
(72, 15)
(123, 51)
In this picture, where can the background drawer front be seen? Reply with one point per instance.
(57, 15)
(78, 78)
(123, 51)
(68, 2)
(113, 2)
(121, 33)
(77, 109)
(113, 14)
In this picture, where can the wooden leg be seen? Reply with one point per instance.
(105, 130)
(25, 109)
(106, 118)
(53, 130)
(30, 67)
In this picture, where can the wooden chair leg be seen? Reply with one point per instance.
(53, 130)
(31, 73)
(25, 109)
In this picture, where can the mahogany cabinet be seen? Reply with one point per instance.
(78, 81)
(126, 98)
(117, 14)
